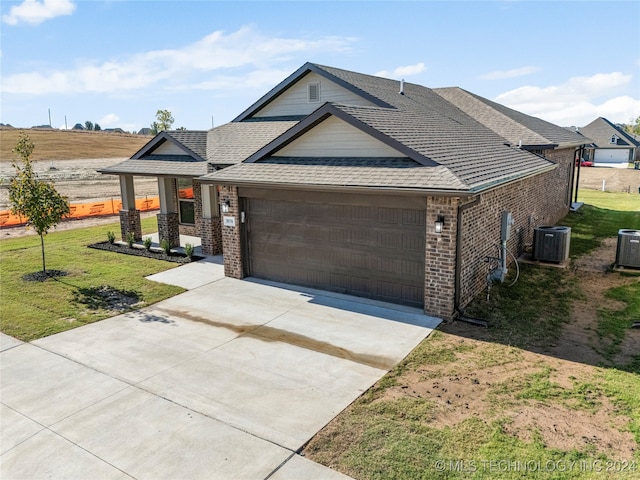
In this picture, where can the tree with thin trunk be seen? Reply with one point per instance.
(35, 200)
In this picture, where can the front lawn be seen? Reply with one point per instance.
(31, 310)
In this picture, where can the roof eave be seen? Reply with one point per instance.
(340, 188)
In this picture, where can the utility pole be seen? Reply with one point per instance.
(50, 118)
(65, 123)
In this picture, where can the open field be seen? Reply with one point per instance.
(616, 179)
(76, 144)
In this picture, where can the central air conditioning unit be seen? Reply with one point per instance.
(628, 251)
(551, 244)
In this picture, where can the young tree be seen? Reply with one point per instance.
(88, 125)
(164, 120)
(97, 127)
(36, 200)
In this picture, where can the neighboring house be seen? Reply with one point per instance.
(611, 146)
(362, 185)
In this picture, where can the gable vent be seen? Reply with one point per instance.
(314, 92)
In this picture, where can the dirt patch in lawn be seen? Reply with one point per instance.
(552, 394)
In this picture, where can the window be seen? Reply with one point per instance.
(613, 140)
(185, 201)
(314, 92)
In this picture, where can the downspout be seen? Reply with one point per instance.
(573, 175)
(581, 150)
(458, 273)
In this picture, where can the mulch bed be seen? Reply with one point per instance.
(42, 276)
(138, 251)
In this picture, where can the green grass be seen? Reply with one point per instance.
(620, 201)
(602, 216)
(613, 324)
(532, 312)
(32, 310)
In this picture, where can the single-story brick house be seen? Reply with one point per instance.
(611, 146)
(363, 185)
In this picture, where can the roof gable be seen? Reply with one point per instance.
(195, 138)
(324, 112)
(297, 76)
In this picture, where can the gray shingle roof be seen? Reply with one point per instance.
(153, 168)
(315, 174)
(233, 142)
(194, 140)
(601, 130)
(512, 125)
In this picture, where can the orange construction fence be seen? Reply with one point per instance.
(83, 210)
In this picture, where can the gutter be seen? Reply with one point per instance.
(341, 188)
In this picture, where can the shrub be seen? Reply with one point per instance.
(111, 236)
(188, 250)
(130, 239)
(147, 243)
(165, 246)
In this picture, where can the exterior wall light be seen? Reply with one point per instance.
(225, 206)
(439, 223)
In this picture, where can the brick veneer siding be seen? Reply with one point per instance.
(540, 200)
(440, 258)
(130, 222)
(231, 245)
(211, 236)
(168, 228)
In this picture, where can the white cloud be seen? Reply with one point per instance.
(36, 12)
(177, 68)
(578, 101)
(109, 120)
(503, 74)
(404, 71)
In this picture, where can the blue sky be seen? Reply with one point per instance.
(117, 62)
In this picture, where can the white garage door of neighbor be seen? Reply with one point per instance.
(612, 155)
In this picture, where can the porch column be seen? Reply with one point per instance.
(231, 243)
(210, 228)
(129, 216)
(168, 220)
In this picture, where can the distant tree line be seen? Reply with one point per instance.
(632, 128)
(89, 125)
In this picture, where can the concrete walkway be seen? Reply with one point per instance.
(228, 380)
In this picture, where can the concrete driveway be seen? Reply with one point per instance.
(228, 380)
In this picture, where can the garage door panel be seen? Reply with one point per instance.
(375, 252)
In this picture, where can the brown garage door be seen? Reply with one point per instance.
(370, 251)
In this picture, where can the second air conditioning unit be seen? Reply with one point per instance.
(551, 244)
(628, 251)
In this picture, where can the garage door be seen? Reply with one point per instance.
(612, 155)
(370, 251)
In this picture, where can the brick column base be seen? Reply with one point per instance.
(211, 236)
(130, 222)
(169, 228)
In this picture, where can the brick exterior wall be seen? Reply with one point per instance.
(211, 236)
(130, 222)
(440, 258)
(168, 228)
(231, 244)
(540, 200)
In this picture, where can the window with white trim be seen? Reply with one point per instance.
(613, 140)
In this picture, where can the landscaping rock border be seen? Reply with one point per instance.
(139, 251)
